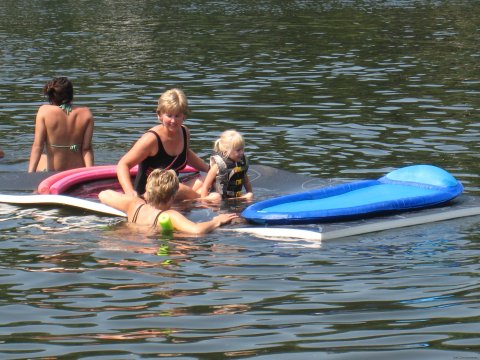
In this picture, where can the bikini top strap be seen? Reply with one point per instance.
(135, 215)
(156, 218)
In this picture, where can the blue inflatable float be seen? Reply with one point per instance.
(408, 188)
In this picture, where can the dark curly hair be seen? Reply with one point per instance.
(59, 91)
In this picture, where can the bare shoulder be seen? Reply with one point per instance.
(132, 203)
(47, 109)
(83, 111)
(174, 214)
(157, 128)
(118, 200)
(149, 137)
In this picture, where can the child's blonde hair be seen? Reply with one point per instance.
(229, 140)
(173, 101)
(162, 185)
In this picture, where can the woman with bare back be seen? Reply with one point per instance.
(62, 130)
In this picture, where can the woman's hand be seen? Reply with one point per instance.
(225, 218)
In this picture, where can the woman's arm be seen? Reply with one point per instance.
(181, 223)
(192, 158)
(38, 141)
(195, 161)
(117, 200)
(144, 147)
(87, 149)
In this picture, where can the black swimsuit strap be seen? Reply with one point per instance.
(135, 215)
(159, 141)
(156, 218)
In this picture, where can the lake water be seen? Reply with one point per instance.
(330, 89)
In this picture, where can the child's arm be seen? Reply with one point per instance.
(248, 188)
(209, 180)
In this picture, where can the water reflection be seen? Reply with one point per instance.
(362, 94)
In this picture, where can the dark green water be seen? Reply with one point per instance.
(332, 89)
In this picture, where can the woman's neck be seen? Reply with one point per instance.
(161, 206)
(67, 108)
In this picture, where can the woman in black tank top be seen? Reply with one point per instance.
(161, 160)
(163, 146)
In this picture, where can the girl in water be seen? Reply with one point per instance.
(64, 131)
(161, 188)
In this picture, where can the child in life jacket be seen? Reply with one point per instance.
(228, 170)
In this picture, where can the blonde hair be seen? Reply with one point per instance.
(173, 101)
(162, 185)
(229, 140)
